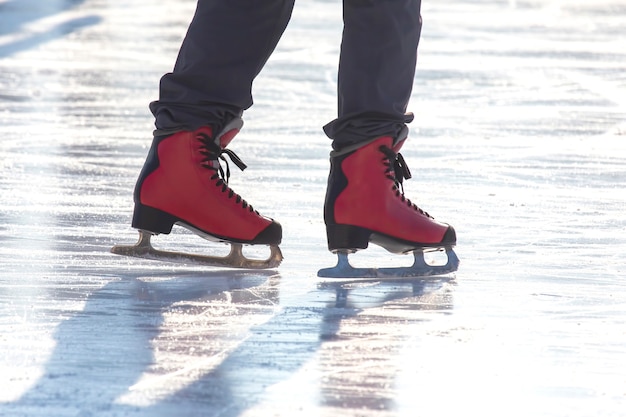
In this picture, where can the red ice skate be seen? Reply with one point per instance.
(365, 203)
(182, 182)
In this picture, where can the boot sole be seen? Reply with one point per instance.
(342, 237)
(157, 221)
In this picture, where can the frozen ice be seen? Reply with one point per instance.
(518, 142)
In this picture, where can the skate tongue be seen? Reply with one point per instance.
(229, 132)
(225, 138)
(222, 141)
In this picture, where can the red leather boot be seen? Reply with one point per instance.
(365, 203)
(182, 182)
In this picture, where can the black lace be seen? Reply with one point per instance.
(398, 171)
(211, 152)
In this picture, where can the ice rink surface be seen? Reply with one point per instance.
(519, 142)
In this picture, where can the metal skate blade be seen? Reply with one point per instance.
(420, 268)
(235, 259)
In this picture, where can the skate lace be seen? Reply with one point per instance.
(398, 171)
(212, 152)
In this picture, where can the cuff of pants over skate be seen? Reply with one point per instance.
(353, 147)
(362, 127)
(173, 117)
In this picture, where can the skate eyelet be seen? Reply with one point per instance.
(397, 171)
(213, 153)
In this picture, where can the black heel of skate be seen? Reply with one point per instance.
(342, 237)
(152, 220)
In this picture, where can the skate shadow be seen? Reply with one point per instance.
(21, 20)
(368, 293)
(382, 310)
(275, 353)
(359, 295)
(103, 349)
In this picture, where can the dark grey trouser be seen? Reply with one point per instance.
(229, 42)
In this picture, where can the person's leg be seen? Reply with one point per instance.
(198, 113)
(376, 69)
(226, 46)
(365, 199)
